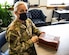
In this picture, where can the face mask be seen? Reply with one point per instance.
(23, 16)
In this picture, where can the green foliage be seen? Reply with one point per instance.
(5, 14)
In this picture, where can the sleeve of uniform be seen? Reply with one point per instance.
(13, 38)
(35, 30)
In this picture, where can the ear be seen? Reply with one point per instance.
(15, 12)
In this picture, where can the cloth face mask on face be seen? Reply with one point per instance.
(23, 16)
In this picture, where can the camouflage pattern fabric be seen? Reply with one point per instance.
(19, 37)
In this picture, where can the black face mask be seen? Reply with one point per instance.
(23, 16)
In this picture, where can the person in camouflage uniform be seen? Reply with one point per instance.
(21, 34)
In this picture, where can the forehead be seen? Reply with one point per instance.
(22, 7)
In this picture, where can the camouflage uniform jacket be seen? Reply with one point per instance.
(19, 37)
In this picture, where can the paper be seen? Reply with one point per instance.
(51, 38)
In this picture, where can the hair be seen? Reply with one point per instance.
(19, 3)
